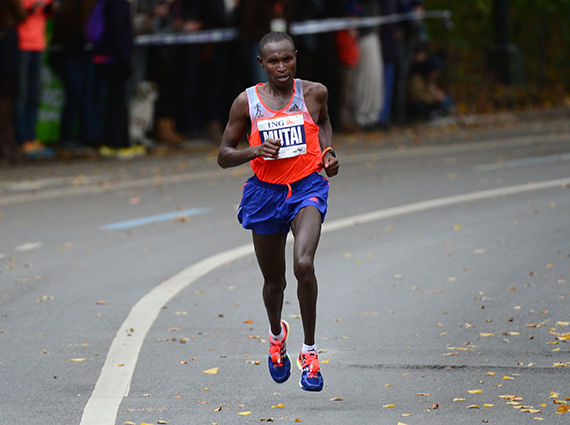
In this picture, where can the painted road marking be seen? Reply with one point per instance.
(28, 246)
(541, 160)
(114, 382)
(129, 224)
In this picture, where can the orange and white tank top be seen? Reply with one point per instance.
(300, 152)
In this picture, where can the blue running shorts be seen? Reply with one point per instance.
(269, 208)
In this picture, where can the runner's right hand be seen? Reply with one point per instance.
(270, 148)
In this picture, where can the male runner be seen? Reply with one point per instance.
(290, 141)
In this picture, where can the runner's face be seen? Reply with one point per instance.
(280, 63)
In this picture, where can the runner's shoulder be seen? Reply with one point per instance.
(241, 104)
(316, 90)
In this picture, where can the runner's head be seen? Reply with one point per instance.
(277, 55)
(274, 37)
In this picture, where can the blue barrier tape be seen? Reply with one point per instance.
(297, 28)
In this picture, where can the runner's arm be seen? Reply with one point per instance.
(330, 163)
(229, 154)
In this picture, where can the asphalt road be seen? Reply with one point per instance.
(129, 292)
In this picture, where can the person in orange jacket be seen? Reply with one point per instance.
(32, 43)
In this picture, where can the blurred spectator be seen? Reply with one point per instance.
(413, 33)
(348, 56)
(390, 36)
(173, 68)
(369, 89)
(32, 43)
(112, 57)
(257, 19)
(11, 14)
(189, 19)
(214, 65)
(74, 66)
(426, 99)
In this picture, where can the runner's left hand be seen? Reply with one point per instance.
(330, 165)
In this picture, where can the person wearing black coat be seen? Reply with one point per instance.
(112, 56)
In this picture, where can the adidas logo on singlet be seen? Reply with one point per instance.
(294, 108)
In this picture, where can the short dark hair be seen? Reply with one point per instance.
(274, 37)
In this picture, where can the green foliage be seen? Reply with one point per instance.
(541, 30)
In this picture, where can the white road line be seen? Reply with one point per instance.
(29, 246)
(539, 160)
(115, 379)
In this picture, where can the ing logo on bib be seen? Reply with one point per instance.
(289, 129)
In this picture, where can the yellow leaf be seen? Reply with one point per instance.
(162, 422)
(279, 406)
(508, 397)
(298, 420)
(458, 399)
(475, 391)
(244, 413)
(538, 419)
(491, 373)
(507, 377)
(405, 415)
(325, 361)
(218, 409)
(389, 405)
(212, 371)
(77, 360)
(473, 406)
(488, 405)
(562, 323)
(535, 410)
(400, 423)
(248, 321)
(563, 408)
(130, 423)
(486, 334)
(337, 399)
(517, 307)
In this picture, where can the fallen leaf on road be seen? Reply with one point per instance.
(217, 409)
(475, 391)
(77, 360)
(212, 371)
(473, 406)
(563, 408)
(458, 399)
(389, 405)
(486, 334)
(337, 399)
(244, 413)
(279, 406)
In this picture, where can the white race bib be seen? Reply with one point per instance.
(290, 130)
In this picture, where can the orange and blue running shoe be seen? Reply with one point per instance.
(279, 361)
(311, 378)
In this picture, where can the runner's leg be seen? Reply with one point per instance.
(270, 253)
(306, 227)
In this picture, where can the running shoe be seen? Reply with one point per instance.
(279, 361)
(311, 378)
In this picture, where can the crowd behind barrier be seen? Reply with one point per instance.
(140, 73)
